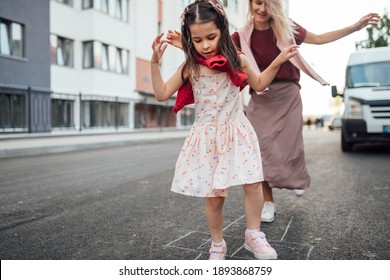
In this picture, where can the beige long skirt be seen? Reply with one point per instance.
(277, 119)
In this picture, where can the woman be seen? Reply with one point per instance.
(276, 114)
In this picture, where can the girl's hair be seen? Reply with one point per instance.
(204, 11)
(283, 27)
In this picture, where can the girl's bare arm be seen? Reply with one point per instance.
(163, 90)
(259, 82)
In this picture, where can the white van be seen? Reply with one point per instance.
(366, 96)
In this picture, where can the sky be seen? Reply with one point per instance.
(329, 60)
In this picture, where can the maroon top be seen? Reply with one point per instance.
(264, 50)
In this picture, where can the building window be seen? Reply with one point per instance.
(62, 113)
(231, 5)
(11, 38)
(125, 10)
(105, 57)
(105, 114)
(187, 116)
(87, 4)
(103, 6)
(88, 55)
(12, 112)
(61, 51)
(125, 61)
(185, 3)
(232, 28)
(112, 58)
(114, 8)
(66, 2)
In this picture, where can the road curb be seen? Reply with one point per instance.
(62, 148)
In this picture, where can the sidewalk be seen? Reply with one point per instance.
(27, 145)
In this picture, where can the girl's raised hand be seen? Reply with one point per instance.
(287, 53)
(158, 47)
(174, 38)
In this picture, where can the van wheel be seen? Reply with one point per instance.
(345, 146)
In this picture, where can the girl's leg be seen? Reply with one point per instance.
(255, 240)
(214, 215)
(253, 204)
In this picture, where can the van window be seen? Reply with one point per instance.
(368, 75)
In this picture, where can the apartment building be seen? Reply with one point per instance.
(92, 58)
(24, 66)
(83, 65)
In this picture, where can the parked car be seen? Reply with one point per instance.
(336, 124)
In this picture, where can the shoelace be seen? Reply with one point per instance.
(260, 239)
(217, 249)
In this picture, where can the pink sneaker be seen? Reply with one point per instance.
(258, 245)
(218, 253)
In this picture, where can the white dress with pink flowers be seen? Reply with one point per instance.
(221, 149)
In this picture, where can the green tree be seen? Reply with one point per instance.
(378, 36)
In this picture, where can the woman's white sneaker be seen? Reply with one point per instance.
(268, 213)
(299, 192)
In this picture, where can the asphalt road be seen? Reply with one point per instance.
(115, 203)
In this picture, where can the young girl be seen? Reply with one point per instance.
(221, 149)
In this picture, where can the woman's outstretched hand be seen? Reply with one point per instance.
(174, 38)
(370, 19)
(158, 47)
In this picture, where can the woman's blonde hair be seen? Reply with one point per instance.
(283, 27)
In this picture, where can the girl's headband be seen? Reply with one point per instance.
(215, 5)
(183, 16)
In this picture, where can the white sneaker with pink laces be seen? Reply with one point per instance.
(218, 252)
(257, 244)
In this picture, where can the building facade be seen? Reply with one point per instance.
(24, 66)
(83, 65)
(92, 64)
